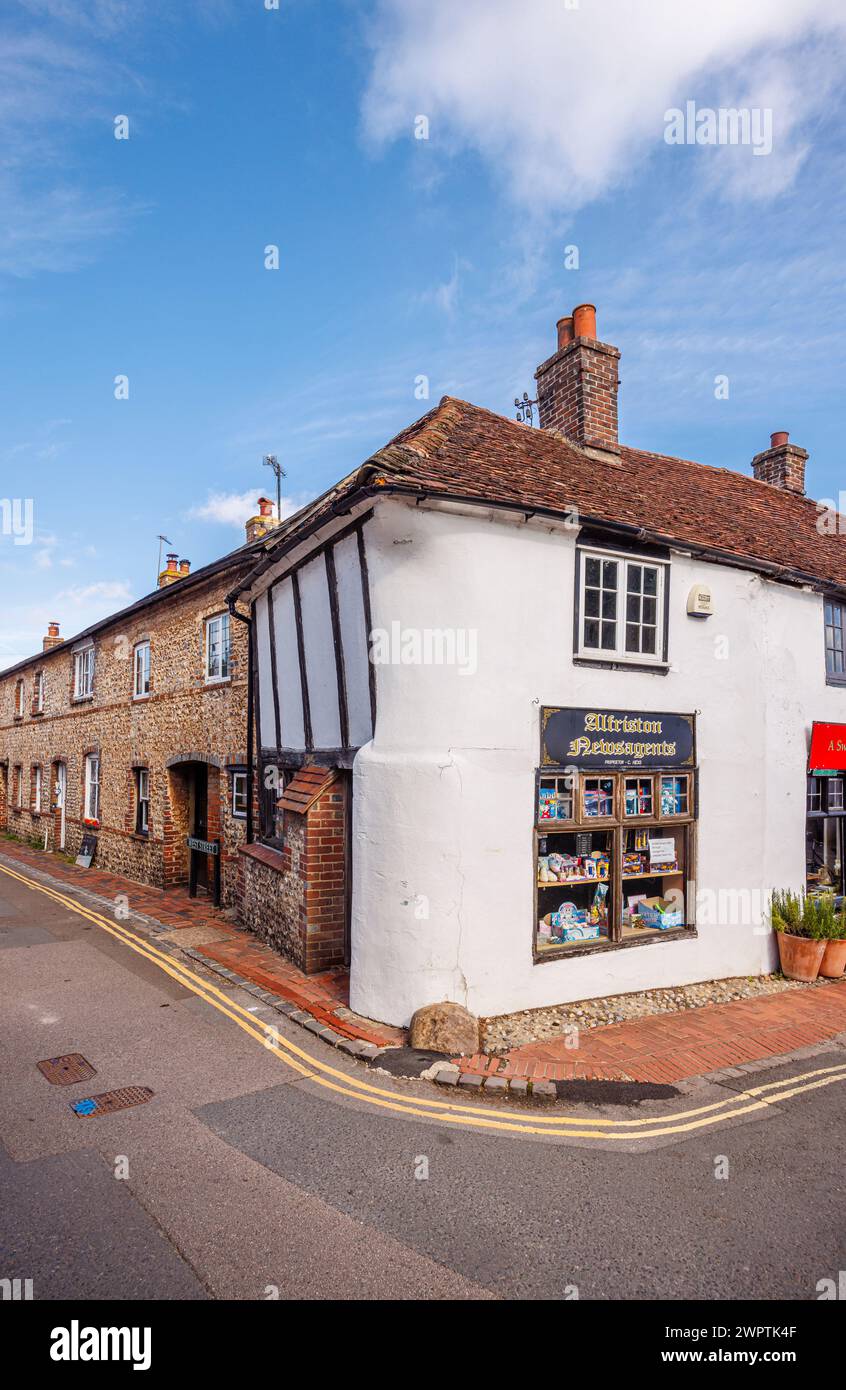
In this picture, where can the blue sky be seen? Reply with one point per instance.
(399, 257)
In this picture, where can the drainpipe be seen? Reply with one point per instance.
(249, 623)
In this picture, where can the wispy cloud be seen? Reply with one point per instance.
(566, 103)
(235, 508)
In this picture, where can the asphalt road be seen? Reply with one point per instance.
(247, 1180)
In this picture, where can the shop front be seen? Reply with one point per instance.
(614, 832)
(826, 809)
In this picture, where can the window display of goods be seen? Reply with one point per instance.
(662, 913)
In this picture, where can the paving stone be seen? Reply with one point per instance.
(353, 1046)
(471, 1081)
(314, 1025)
(545, 1089)
(330, 1036)
(519, 1086)
(446, 1078)
(299, 1016)
(496, 1083)
(369, 1051)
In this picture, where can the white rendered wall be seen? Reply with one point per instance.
(444, 795)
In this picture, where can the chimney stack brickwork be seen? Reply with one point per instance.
(782, 465)
(577, 387)
(52, 639)
(264, 521)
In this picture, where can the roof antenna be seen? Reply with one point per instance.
(271, 461)
(163, 540)
(525, 414)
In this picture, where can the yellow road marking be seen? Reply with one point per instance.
(354, 1088)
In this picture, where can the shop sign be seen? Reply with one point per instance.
(612, 738)
(828, 748)
(203, 846)
(87, 850)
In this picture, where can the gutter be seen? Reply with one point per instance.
(249, 624)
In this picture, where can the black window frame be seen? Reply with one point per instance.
(270, 816)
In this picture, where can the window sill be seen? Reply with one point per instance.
(835, 680)
(139, 699)
(82, 699)
(217, 680)
(265, 854)
(658, 668)
(142, 835)
(599, 947)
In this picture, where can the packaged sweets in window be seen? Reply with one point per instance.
(547, 803)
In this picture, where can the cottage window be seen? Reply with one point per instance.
(17, 783)
(621, 613)
(142, 800)
(141, 671)
(92, 787)
(835, 654)
(274, 779)
(217, 648)
(38, 693)
(239, 795)
(19, 699)
(83, 673)
(36, 789)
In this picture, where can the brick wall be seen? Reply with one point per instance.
(294, 898)
(183, 716)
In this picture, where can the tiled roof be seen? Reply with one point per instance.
(462, 451)
(305, 787)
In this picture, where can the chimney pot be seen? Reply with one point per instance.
(52, 629)
(780, 437)
(171, 563)
(184, 566)
(265, 506)
(782, 465)
(565, 331)
(52, 639)
(584, 321)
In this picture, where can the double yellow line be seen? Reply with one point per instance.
(757, 1098)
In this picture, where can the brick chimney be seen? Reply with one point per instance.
(184, 567)
(577, 387)
(171, 574)
(782, 465)
(265, 521)
(52, 639)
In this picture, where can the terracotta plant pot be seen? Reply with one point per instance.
(800, 957)
(834, 960)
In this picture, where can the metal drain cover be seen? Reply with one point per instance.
(64, 1071)
(109, 1101)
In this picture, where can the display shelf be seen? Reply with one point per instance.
(654, 873)
(571, 882)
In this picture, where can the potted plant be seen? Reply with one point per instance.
(834, 957)
(801, 925)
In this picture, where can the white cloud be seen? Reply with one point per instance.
(563, 103)
(235, 508)
(113, 590)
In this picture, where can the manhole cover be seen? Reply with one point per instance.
(112, 1100)
(64, 1071)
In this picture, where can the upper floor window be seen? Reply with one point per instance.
(835, 660)
(36, 788)
(141, 671)
(622, 605)
(19, 699)
(83, 672)
(38, 693)
(217, 648)
(92, 787)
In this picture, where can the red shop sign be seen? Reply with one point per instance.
(828, 748)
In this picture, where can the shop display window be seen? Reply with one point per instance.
(824, 835)
(624, 881)
(556, 798)
(597, 797)
(638, 794)
(674, 796)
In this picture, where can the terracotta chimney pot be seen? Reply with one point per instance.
(584, 321)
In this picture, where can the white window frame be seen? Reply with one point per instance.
(20, 697)
(212, 677)
(142, 794)
(36, 788)
(92, 787)
(239, 777)
(19, 788)
(618, 652)
(39, 692)
(141, 650)
(83, 672)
